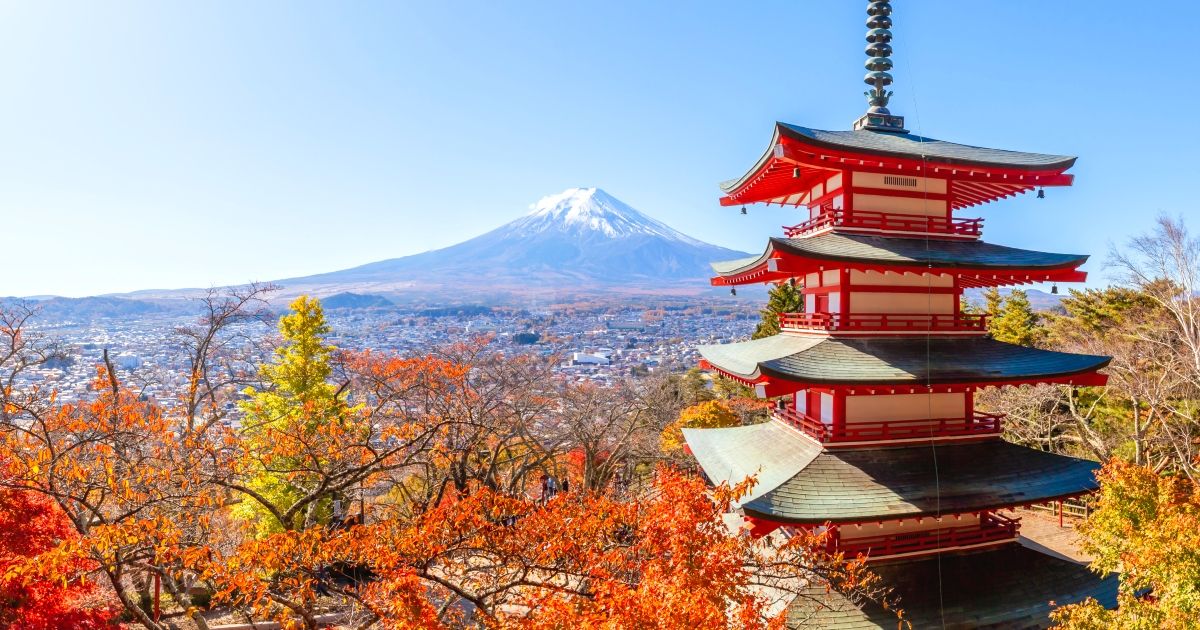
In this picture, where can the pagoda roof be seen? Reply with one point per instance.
(770, 450)
(832, 360)
(862, 485)
(984, 174)
(789, 257)
(1004, 587)
(908, 145)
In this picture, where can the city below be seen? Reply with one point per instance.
(595, 341)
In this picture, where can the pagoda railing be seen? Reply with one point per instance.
(888, 221)
(980, 423)
(874, 322)
(991, 528)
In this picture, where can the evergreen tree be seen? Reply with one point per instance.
(1107, 309)
(783, 298)
(1014, 322)
(693, 385)
(728, 389)
(993, 302)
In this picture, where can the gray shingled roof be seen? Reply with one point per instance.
(893, 360)
(771, 450)
(1007, 587)
(887, 250)
(907, 145)
(743, 357)
(867, 484)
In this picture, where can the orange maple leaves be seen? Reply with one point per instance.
(666, 560)
(441, 453)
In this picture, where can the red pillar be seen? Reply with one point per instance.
(844, 292)
(957, 298)
(847, 196)
(839, 412)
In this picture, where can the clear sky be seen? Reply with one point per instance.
(170, 144)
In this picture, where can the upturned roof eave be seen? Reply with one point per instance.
(751, 511)
(782, 247)
(766, 371)
(889, 361)
(732, 185)
(1032, 163)
(1022, 160)
(881, 483)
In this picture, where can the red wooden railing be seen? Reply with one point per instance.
(961, 322)
(980, 424)
(886, 221)
(812, 426)
(991, 528)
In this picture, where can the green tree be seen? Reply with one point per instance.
(1014, 322)
(968, 307)
(693, 387)
(299, 397)
(727, 389)
(783, 298)
(1102, 310)
(1143, 413)
(993, 302)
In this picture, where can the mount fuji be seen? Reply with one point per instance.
(581, 240)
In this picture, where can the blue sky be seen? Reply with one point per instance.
(164, 144)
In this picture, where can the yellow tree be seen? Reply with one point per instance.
(1147, 527)
(710, 414)
(298, 403)
(307, 443)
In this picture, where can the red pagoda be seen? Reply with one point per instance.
(876, 438)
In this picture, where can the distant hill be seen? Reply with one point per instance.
(355, 300)
(1039, 300)
(582, 239)
(93, 308)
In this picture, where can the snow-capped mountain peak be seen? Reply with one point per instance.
(584, 210)
(581, 239)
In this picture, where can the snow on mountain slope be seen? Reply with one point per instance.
(578, 239)
(582, 210)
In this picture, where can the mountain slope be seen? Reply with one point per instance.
(580, 239)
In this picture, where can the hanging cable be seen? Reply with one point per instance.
(937, 481)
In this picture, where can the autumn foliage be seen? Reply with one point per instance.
(292, 479)
(710, 414)
(30, 525)
(1147, 527)
(592, 561)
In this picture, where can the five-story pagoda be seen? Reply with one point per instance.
(876, 438)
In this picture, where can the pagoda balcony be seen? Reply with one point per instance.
(981, 424)
(992, 528)
(885, 322)
(887, 222)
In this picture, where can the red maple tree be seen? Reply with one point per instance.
(31, 524)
